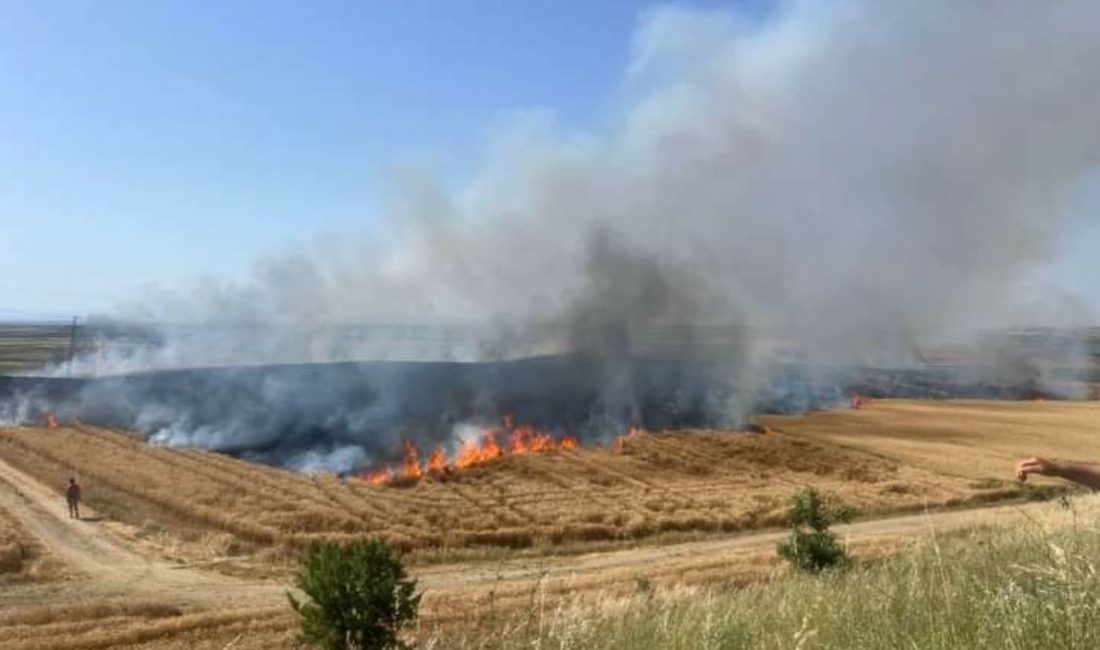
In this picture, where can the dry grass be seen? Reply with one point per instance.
(22, 558)
(202, 505)
(195, 505)
(119, 625)
(1026, 586)
(981, 440)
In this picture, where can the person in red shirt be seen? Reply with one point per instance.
(72, 495)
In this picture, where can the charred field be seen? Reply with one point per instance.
(204, 505)
(682, 499)
(345, 417)
(235, 470)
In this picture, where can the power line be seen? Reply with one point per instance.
(72, 346)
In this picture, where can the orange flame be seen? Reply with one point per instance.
(411, 468)
(472, 453)
(620, 441)
(380, 477)
(527, 439)
(437, 462)
(524, 439)
(51, 421)
(467, 455)
(489, 447)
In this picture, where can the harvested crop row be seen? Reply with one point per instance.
(132, 472)
(668, 483)
(21, 556)
(181, 630)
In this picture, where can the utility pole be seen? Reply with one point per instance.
(72, 346)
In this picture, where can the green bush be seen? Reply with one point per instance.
(359, 597)
(1030, 581)
(811, 547)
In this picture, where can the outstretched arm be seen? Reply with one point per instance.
(1086, 474)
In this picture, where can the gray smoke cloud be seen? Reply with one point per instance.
(850, 178)
(849, 175)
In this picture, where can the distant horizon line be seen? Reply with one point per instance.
(102, 320)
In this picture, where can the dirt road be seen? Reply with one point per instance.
(104, 567)
(749, 557)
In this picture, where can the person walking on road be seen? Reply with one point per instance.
(72, 495)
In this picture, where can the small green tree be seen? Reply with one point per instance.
(359, 597)
(811, 547)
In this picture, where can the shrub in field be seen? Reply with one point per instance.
(359, 596)
(811, 547)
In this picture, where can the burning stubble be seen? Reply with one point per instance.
(849, 180)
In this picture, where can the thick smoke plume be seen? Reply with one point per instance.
(849, 179)
(848, 176)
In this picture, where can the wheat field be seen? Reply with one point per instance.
(506, 517)
(139, 626)
(688, 482)
(21, 556)
(971, 438)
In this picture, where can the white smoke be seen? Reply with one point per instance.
(853, 176)
(341, 460)
(850, 178)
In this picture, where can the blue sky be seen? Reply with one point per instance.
(151, 142)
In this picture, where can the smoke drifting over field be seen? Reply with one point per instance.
(847, 176)
(851, 178)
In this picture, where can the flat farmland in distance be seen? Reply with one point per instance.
(977, 439)
(27, 346)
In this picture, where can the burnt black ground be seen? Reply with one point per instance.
(271, 413)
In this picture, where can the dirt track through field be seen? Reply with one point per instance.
(704, 561)
(105, 568)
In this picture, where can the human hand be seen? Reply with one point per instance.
(1040, 466)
